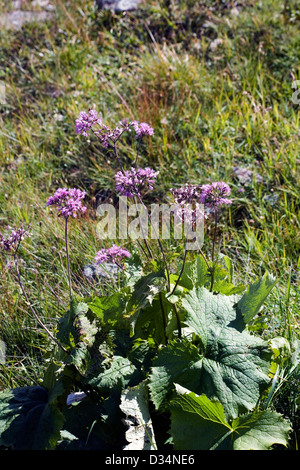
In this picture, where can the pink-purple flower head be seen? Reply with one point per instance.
(142, 129)
(11, 243)
(115, 254)
(86, 121)
(188, 193)
(214, 195)
(187, 199)
(91, 120)
(68, 202)
(132, 181)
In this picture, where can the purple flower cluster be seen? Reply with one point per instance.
(187, 199)
(86, 121)
(11, 243)
(114, 254)
(68, 201)
(214, 194)
(186, 194)
(132, 181)
(142, 129)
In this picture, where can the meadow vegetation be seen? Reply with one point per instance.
(214, 80)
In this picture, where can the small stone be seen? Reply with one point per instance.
(96, 272)
(245, 175)
(118, 6)
(16, 19)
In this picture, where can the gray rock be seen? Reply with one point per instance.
(118, 6)
(96, 271)
(245, 175)
(16, 19)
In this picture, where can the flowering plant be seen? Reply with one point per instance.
(171, 344)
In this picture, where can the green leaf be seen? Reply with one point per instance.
(235, 364)
(114, 378)
(145, 291)
(68, 333)
(30, 417)
(235, 370)
(198, 423)
(207, 312)
(260, 431)
(223, 276)
(231, 366)
(150, 321)
(253, 299)
(111, 309)
(147, 308)
(195, 274)
(178, 362)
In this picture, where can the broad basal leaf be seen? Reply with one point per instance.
(150, 321)
(30, 418)
(230, 365)
(207, 311)
(235, 370)
(145, 307)
(179, 362)
(145, 291)
(198, 423)
(111, 309)
(235, 364)
(195, 274)
(260, 431)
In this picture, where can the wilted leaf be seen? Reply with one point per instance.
(134, 404)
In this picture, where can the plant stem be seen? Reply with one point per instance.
(68, 260)
(142, 203)
(213, 251)
(144, 238)
(137, 152)
(158, 240)
(215, 235)
(31, 307)
(181, 271)
(204, 257)
(178, 320)
(163, 317)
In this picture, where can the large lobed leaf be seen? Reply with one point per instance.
(198, 423)
(31, 418)
(228, 365)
